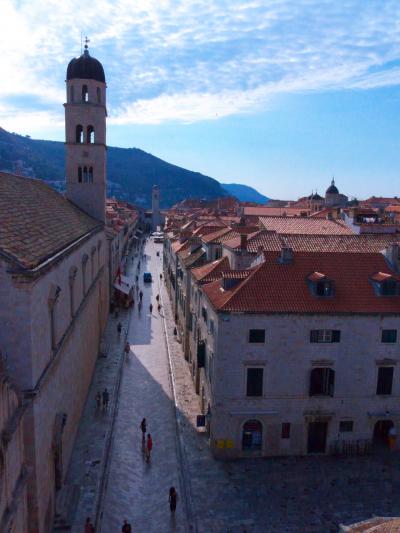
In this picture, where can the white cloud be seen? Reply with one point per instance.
(194, 60)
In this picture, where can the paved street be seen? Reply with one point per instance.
(136, 490)
(294, 495)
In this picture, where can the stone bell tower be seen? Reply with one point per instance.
(155, 205)
(85, 134)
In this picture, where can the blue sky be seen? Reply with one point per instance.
(281, 95)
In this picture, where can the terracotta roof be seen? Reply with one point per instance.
(192, 258)
(265, 211)
(263, 239)
(374, 525)
(310, 226)
(338, 243)
(316, 276)
(273, 287)
(381, 276)
(216, 235)
(36, 222)
(178, 246)
(210, 271)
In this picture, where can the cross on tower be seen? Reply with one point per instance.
(87, 41)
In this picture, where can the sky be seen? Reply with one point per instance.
(281, 95)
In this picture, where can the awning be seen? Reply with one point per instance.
(125, 286)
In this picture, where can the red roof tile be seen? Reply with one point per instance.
(36, 222)
(210, 271)
(302, 225)
(273, 287)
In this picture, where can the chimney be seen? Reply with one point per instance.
(286, 255)
(243, 241)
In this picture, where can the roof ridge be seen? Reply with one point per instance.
(242, 284)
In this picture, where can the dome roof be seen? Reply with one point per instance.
(85, 67)
(315, 196)
(332, 189)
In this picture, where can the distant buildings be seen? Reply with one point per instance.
(289, 326)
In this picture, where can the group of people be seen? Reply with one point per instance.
(89, 527)
(102, 399)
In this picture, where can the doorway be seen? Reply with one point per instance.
(381, 433)
(317, 432)
(252, 436)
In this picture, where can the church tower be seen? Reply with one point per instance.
(85, 134)
(155, 207)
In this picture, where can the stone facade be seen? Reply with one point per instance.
(13, 472)
(51, 336)
(287, 358)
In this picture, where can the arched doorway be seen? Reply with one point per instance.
(381, 433)
(252, 436)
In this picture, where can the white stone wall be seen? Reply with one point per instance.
(56, 380)
(287, 358)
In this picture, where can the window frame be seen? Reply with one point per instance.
(325, 336)
(342, 424)
(387, 332)
(256, 341)
(249, 369)
(380, 386)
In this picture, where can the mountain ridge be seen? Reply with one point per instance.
(131, 172)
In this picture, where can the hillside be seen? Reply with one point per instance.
(244, 193)
(131, 172)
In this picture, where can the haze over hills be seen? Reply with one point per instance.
(131, 171)
(245, 193)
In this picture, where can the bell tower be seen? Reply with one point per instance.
(85, 134)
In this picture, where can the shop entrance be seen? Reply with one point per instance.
(317, 432)
(252, 436)
(381, 433)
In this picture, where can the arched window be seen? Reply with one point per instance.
(71, 93)
(90, 176)
(72, 275)
(322, 382)
(85, 175)
(85, 93)
(252, 435)
(98, 95)
(79, 174)
(84, 264)
(79, 134)
(90, 135)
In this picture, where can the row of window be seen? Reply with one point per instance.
(257, 336)
(84, 94)
(85, 174)
(322, 381)
(79, 134)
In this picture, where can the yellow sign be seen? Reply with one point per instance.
(229, 443)
(220, 443)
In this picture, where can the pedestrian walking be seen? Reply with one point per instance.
(160, 276)
(140, 305)
(89, 527)
(159, 308)
(119, 328)
(106, 398)
(175, 331)
(158, 297)
(126, 528)
(141, 295)
(143, 427)
(98, 400)
(137, 278)
(127, 348)
(149, 447)
(173, 498)
(151, 308)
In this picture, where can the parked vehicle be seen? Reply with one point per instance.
(147, 278)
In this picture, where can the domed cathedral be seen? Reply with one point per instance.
(315, 202)
(85, 131)
(333, 197)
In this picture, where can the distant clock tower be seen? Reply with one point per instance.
(85, 134)
(155, 205)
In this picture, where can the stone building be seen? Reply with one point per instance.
(54, 289)
(13, 471)
(299, 354)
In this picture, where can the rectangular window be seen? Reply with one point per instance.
(385, 380)
(257, 335)
(285, 433)
(322, 382)
(255, 381)
(346, 426)
(325, 335)
(389, 335)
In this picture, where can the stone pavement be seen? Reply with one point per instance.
(293, 495)
(89, 457)
(136, 490)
